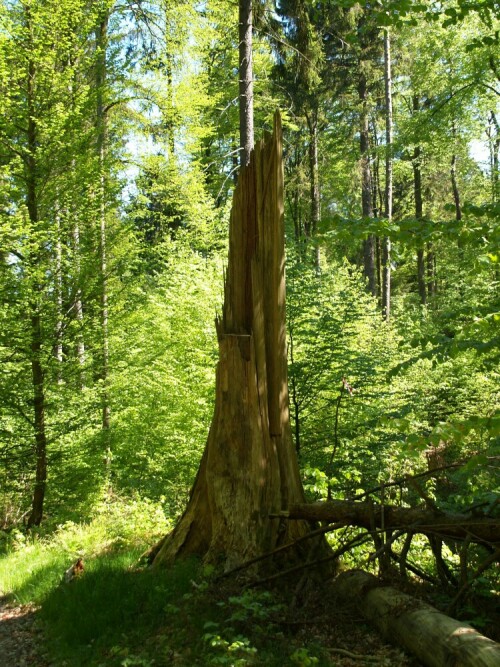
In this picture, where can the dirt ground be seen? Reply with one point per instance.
(20, 636)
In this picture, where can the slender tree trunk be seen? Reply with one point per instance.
(77, 269)
(295, 204)
(431, 270)
(101, 76)
(312, 228)
(37, 371)
(377, 206)
(297, 231)
(457, 202)
(245, 80)
(170, 104)
(386, 241)
(366, 184)
(378, 199)
(454, 185)
(295, 400)
(417, 189)
(78, 305)
(312, 122)
(494, 137)
(59, 295)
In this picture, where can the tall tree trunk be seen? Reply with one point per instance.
(456, 201)
(37, 374)
(386, 241)
(59, 295)
(74, 225)
(245, 80)
(249, 468)
(312, 228)
(78, 305)
(37, 371)
(170, 104)
(417, 189)
(454, 185)
(431, 270)
(312, 122)
(378, 199)
(295, 399)
(494, 141)
(366, 183)
(101, 76)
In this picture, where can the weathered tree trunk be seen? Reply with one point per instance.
(249, 468)
(434, 638)
(245, 80)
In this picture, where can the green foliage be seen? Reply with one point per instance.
(162, 387)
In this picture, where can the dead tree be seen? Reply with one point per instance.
(249, 469)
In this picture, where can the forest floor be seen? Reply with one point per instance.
(339, 632)
(342, 633)
(21, 639)
(319, 630)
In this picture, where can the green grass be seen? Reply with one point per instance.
(32, 564)
(113, 612)
(117, 614)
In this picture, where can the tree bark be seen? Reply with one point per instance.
(434, 638)
(245, 81)
(249, 468)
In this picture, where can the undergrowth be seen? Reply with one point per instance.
(118, 614)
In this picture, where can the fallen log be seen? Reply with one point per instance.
(446, 525)
(434, 638)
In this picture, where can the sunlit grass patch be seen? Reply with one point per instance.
(33, 564)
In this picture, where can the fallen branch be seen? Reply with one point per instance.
(354, 656)
(445, 525)
(284, 547)
(359, 539)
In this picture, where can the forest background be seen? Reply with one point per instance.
(118, 159)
